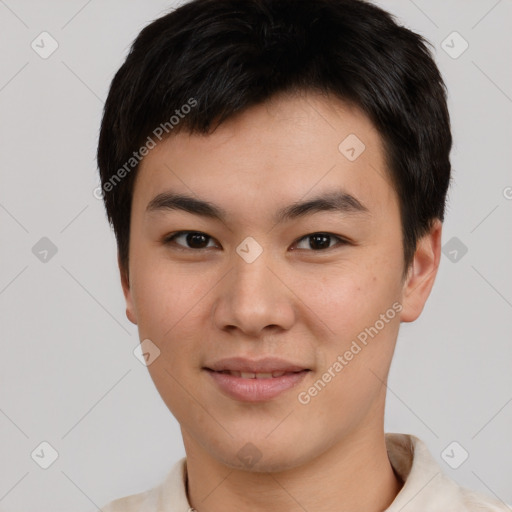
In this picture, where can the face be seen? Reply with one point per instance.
(287, 257)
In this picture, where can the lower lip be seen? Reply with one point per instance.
(255, 390)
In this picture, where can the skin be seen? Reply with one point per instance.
(293, 302)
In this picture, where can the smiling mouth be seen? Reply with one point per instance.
(247, 386)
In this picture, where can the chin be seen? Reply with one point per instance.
(263, 456)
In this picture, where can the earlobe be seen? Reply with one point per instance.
(422, 274)
(127, 292)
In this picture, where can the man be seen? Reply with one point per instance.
(276, 172)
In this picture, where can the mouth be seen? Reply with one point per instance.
(256, 375)
(269, 366)
(255, 381)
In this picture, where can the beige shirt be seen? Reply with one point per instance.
(426, 488)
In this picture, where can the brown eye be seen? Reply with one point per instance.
(321, 241)
(190, 240)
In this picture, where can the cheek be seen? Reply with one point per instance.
(359, 305)
(361, 310)
(171, 312)
(166, 295)
(157, 301)
(168, 303)
(351, 296)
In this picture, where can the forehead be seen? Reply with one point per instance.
(273, 153)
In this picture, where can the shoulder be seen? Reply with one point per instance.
(477, 502)
(168, 496)
(426, 486)
(134, 503)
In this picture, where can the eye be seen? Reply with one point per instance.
(197, 240)
(192, 239)
(321, 241)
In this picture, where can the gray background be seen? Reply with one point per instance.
(68, 375)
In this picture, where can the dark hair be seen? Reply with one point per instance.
(219, 57)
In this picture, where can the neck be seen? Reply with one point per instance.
(354, 474)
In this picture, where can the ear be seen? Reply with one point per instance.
(125, 283)
(422, 274)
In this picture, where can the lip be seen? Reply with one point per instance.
(265, 365)
(255, 389)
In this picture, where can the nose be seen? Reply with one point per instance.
(254, 298)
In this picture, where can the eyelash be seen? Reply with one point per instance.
(168, 240)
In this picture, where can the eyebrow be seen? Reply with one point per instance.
(335, 201)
